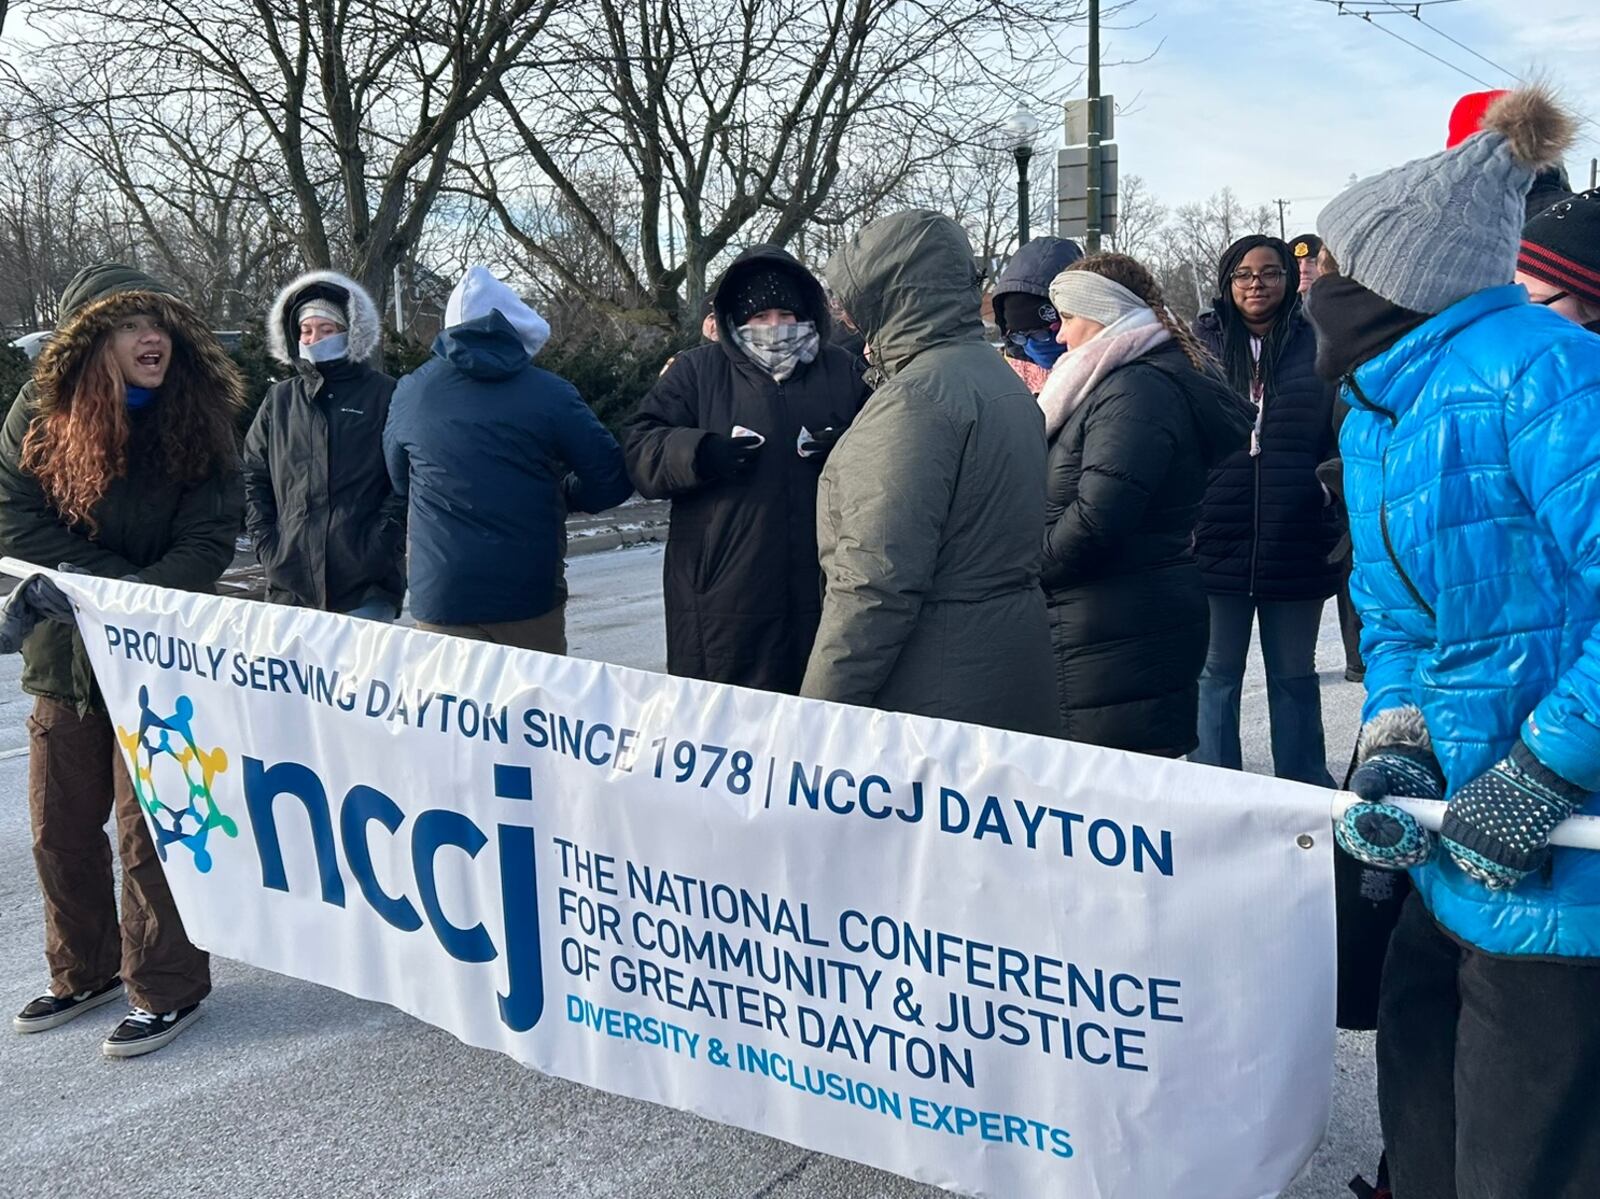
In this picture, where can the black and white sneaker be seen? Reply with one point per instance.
(144, 1032)
(52, 1011)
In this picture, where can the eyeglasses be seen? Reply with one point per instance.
(1243, 277)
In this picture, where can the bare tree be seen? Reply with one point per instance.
(1141, 219)
(764, 119)
(1201, 231)
(54, 219)
(360, 101)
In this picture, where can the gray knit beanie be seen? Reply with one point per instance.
(1429, 234)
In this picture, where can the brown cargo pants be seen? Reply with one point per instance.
(76, 778)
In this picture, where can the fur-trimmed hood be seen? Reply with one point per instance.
(362, 324)
(198, 358)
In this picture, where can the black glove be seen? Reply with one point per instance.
(36, 599)
(816, 447)
(720, 457)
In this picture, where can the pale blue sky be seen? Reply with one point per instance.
(1284, 98)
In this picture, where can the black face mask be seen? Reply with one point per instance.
(1353, 324)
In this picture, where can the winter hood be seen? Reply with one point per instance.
(479, 293)
(767, 257)
(198, 359)
(101, 280)
(909, 283)
(362, 325)
(1032, 269)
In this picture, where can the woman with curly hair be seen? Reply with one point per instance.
(119, 459)
(1137, 414)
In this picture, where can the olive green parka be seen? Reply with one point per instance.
(148, 526)
(930, 508)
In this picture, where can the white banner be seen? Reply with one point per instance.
(1001, 964)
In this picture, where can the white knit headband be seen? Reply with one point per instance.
(1084, 293)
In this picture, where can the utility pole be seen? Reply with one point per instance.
(1093, 190)
(1594, 173)
(1283, 233)
(1023, 155)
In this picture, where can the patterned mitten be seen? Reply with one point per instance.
(1399, 762)
(1498, 826)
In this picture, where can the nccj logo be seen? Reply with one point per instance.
(182, 808)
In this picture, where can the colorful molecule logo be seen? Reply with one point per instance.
(183, 811)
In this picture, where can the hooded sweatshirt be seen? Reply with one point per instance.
(492, 452)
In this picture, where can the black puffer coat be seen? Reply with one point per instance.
(1128, 617)
(1266, 529)
(741, 587)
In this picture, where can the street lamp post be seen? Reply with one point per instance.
(1021, 130)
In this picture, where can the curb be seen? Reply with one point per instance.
(612, 539)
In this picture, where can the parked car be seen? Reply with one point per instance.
(31, 343)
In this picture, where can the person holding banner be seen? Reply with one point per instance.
(930, 508)
(327, 526)
(1137, 414)
(119, 459)
(1472, 475)
(492, 453)
(734, 433)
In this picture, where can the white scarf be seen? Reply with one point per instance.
(1075, 375)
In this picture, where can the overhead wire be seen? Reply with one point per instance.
(1382, 28)
(1414, 11)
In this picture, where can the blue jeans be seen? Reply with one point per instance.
(380, 610)
(1289, 631)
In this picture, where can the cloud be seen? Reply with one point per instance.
(1284, 98)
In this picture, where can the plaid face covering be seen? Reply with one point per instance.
(780, 350)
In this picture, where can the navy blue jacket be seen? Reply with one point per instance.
(483, 442)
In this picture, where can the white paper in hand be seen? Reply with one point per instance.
(741, 431)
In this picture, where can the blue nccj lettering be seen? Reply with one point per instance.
(433, 832)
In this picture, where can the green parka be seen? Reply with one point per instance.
(170, 533)
(929, 509)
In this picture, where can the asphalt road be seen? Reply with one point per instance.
(287, 1090)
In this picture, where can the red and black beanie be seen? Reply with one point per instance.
(1562, 246)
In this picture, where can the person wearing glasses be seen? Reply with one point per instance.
(1266, 529)
(1559, 259)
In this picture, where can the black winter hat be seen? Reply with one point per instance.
(765, 287)
(1023, 313)
(1562, 246)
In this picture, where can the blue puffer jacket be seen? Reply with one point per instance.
(1473, 450)
(483, 441)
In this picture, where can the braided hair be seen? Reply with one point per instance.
(1132, 274)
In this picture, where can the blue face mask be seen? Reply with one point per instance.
(329, 349)
(1043, 348)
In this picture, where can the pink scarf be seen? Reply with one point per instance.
(1076, 374)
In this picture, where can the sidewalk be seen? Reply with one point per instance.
(636, 522)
